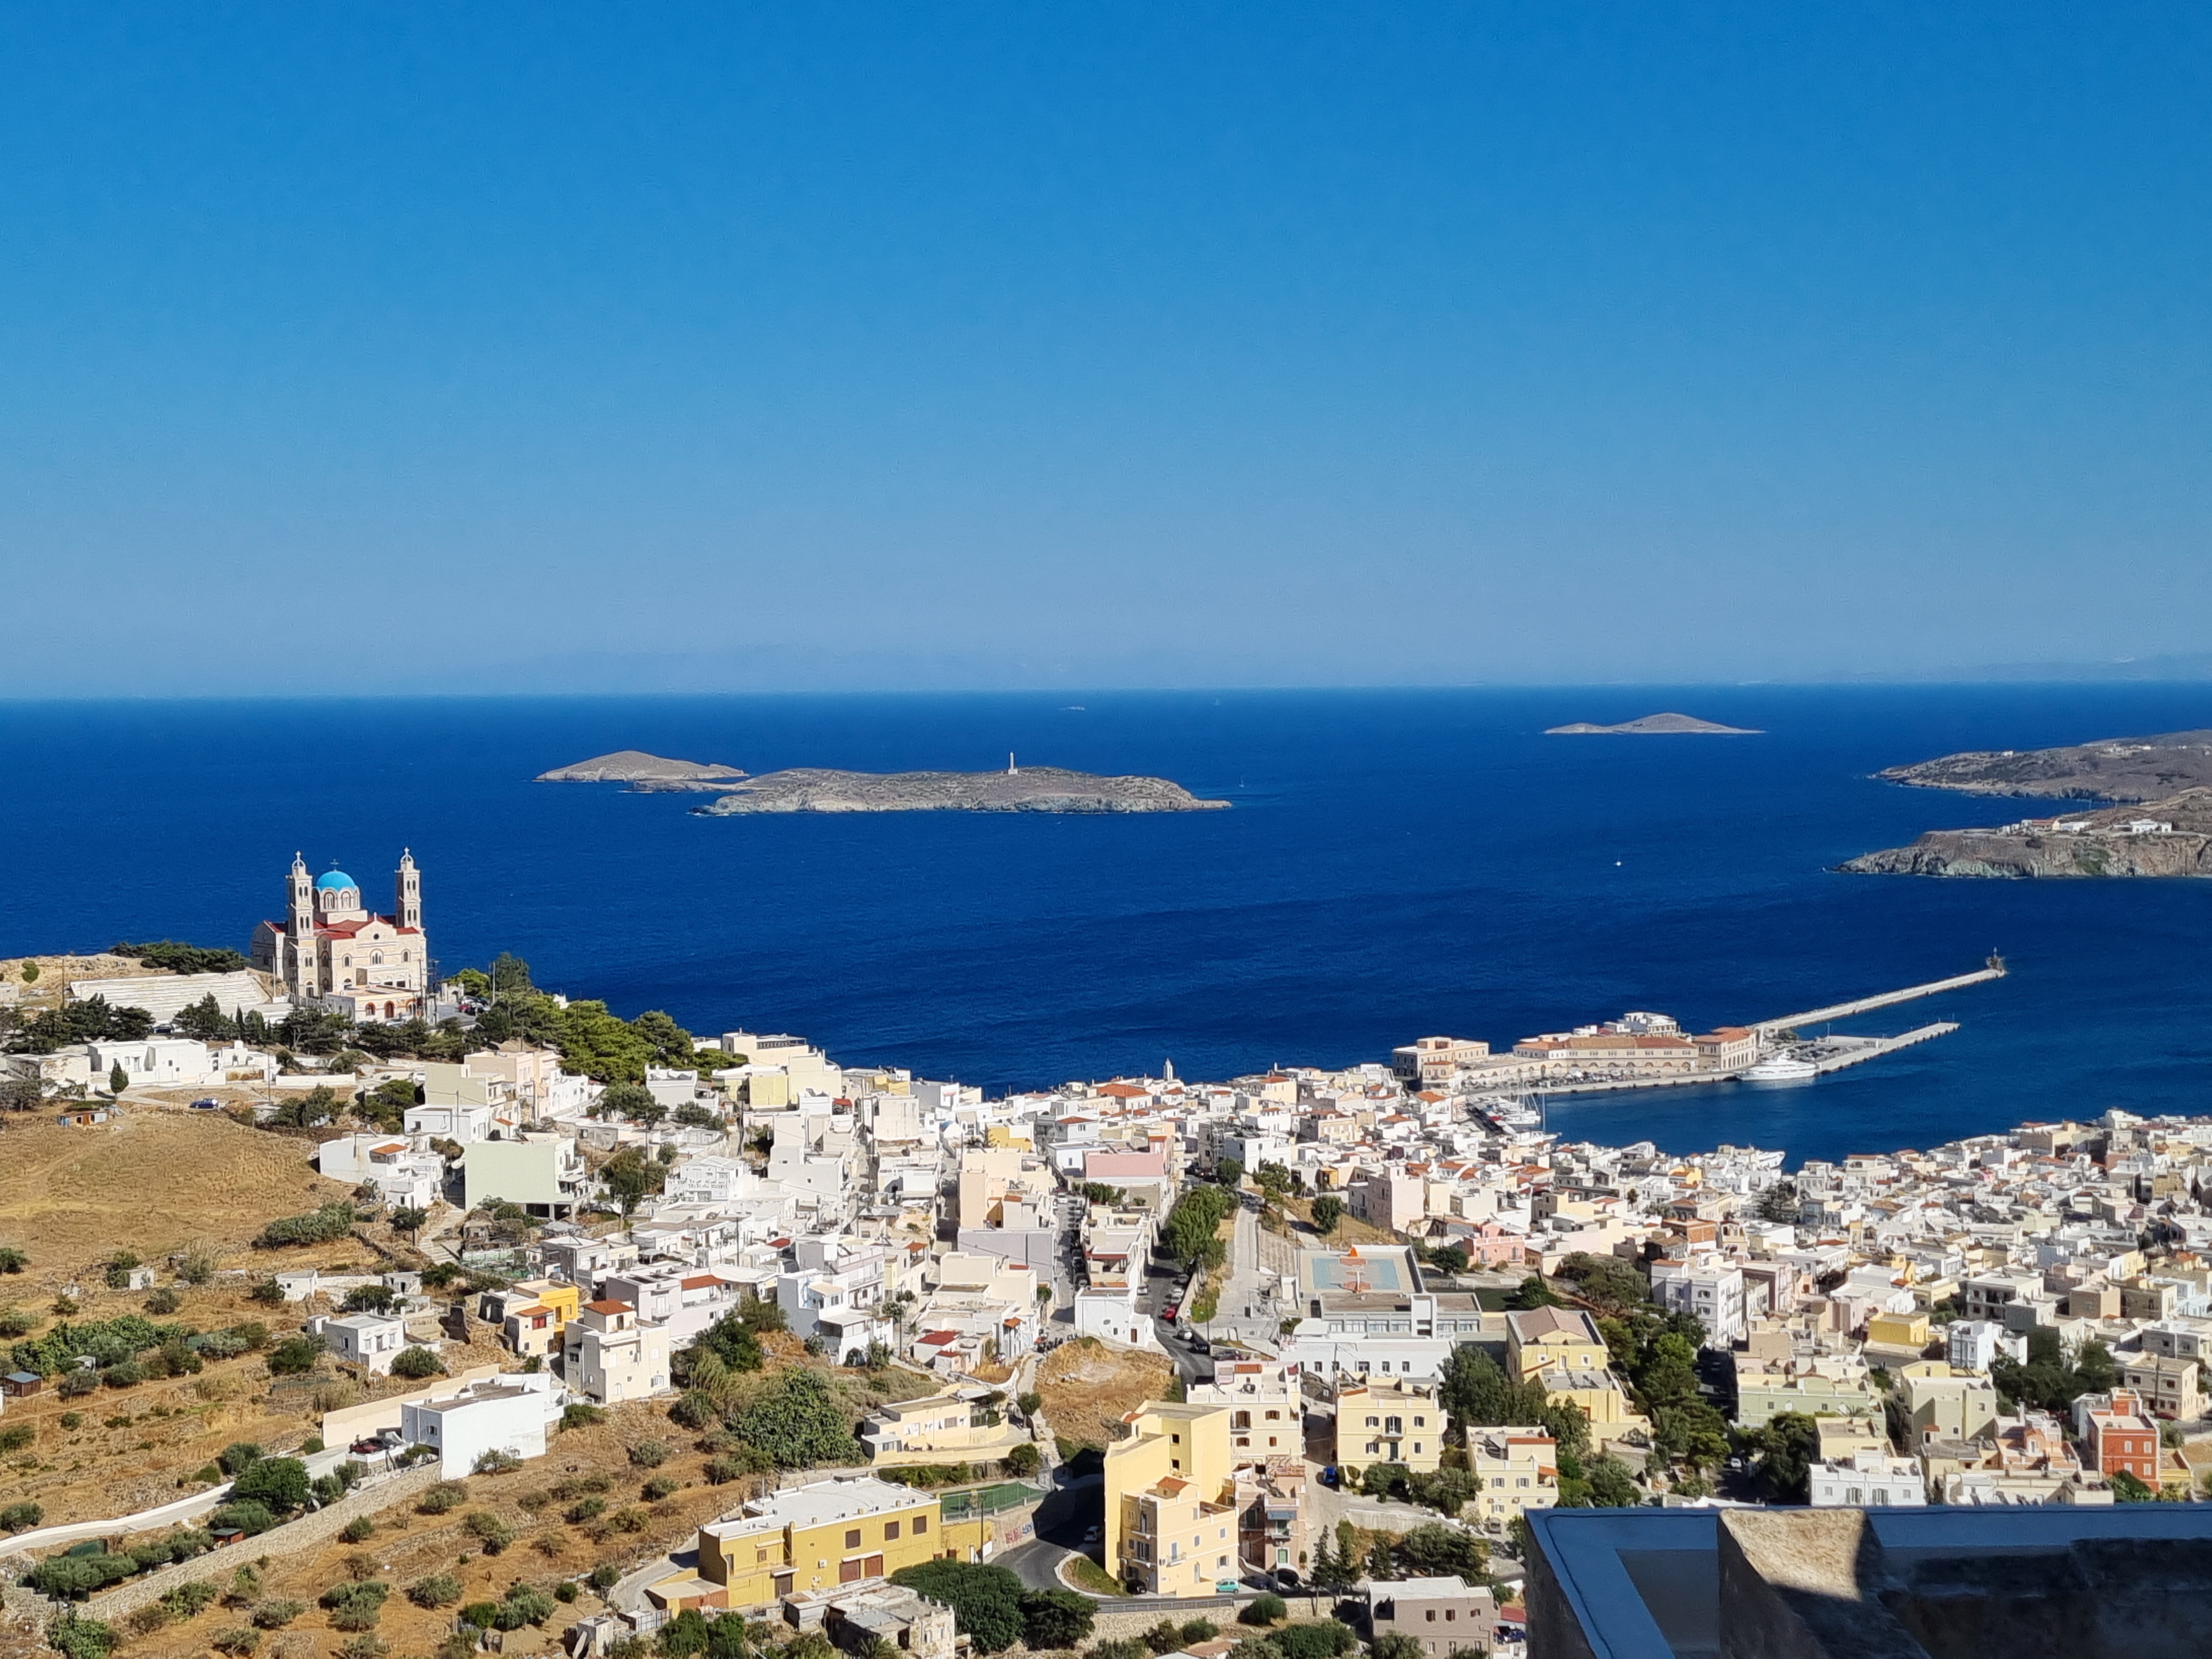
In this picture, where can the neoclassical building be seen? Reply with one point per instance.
(329, 950)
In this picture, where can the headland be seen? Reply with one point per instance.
(2169, 837)
(2110, 769)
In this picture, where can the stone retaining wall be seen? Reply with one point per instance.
(309, 1532)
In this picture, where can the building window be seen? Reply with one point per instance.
(852, 1539)
(890, 1530)
(921, 1525)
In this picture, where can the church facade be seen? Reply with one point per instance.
(331, 952)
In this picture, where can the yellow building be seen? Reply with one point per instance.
(1394, 1422)
(1552, 1339)
(1519, 1469)
(806, 1538)
(1896, 1330)
(1175, 1461)
(951, 1425)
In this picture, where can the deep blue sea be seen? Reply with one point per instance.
(1397, 864)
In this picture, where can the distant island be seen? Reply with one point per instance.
(1028, 789)
(643, 772)
(1654, 725)
(2169, 837)
(2110, 768)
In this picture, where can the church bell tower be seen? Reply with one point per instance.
(300, 929)
(407, 894)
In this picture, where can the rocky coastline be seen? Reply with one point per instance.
(2109, 769)
(2169, 837)
(1031, 789)
(644, 772)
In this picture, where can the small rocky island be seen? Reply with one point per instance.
(644, 771)
(2169, 837)
(1029, 789)
(2110, 768)
(1654, 725)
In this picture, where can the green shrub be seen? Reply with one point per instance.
(189, 1601)
(274, 1615)
(525, 1605)
(440, 1589)
(1055, 1618)
(237, 1643)
(358, 1530)
(417, 1361)
(356, 1604)
(322, 1226)
(581, 1416)
(1262, 1610)
(239, 1456)
(446, 1496)
(481, 1614)
(1323, 1640)
(295, 1355)
(589, 1509)
(1199, 1630)
(649, 1454)
(494, 1461)
(164, 1301)
(565, 1591)
(658, 1488)
(489, 1530)
(16, 1436)
(604, 1578)
(250, 1517)
(20, 1517)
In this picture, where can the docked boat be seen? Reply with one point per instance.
(1781, 1067)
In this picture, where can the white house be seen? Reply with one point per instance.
(508, 1414)
(708, 1179)
(1869, 1480)
(371, 1341)
(463, 1122)
(1711, 1287)
(157, 1062)
(1112, 1316)
(404, 1177)
(608, 1355)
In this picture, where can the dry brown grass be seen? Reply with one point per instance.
(152, 1181)
(1088, 1387)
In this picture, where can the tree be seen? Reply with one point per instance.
(205, 1022)
(986, 1600)
(1532, 1292)
(117, 1079)
(1608, 1283)
(409, 1219)
(1024, 1461)
(1783, 1450)
(1323, 1639)
(1055, 1618)
(1611, 1487)
(1433, 1550)
(1327, 1211)
(1779, 1203)
(630, 1175)
(278, 1483)
(2127, 1489)
(1228, 1171)
(416, 1362)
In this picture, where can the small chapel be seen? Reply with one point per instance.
(330, 951)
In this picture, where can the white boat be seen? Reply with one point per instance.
(1782, 1067)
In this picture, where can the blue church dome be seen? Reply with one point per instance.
(330, 879)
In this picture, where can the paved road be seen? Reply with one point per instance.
(174, 1513)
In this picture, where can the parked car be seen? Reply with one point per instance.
(210, 1104)
(1199, 1344)
(1167, 1313)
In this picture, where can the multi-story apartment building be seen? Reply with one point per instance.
(609, 1355)
(1394, 1422)
(1709, 1287)
(1519, 1471)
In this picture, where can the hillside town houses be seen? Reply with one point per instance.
(1881, 1296)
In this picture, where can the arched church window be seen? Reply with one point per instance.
(377, 960)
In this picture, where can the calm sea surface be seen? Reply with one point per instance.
(1396, 865)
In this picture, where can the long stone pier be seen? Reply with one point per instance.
(1767, 1028)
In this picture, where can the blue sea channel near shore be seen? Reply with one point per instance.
(1396, 865)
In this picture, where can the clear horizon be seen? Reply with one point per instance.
(546, 349)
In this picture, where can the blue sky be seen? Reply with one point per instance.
(364, 349)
